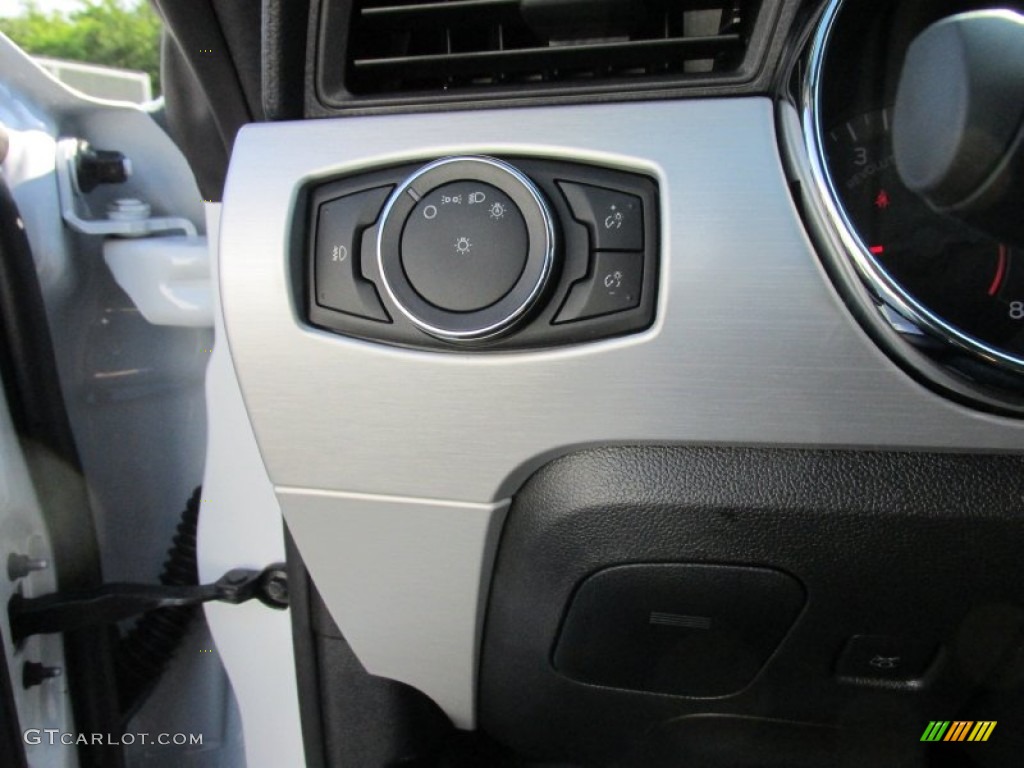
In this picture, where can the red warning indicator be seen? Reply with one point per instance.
(882, 200)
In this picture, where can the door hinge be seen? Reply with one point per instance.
(110, 603)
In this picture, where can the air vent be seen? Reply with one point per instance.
(442, 47)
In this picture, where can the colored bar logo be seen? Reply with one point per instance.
(958, 730)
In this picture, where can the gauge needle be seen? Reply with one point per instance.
(997, 281)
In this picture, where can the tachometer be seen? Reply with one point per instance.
(964, 282)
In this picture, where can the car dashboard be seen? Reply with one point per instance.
(621, 402)
(422, 476)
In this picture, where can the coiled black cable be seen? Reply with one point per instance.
(147, 648)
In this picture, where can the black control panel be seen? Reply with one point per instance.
(481, 253)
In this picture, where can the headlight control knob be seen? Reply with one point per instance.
(466, 247)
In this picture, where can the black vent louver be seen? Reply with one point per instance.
(442, 47)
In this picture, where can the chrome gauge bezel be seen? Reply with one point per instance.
(885, 287)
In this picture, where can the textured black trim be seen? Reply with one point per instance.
(899, 544)
(285, 23)
(210, 75)
(307, 678)
(715, 741)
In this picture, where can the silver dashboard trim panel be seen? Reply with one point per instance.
(406, 580)
(751, 344)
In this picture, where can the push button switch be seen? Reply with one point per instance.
(339, 228)
(615, 219)
(880, 660)
(613, 286)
